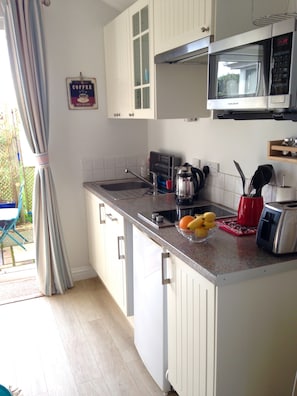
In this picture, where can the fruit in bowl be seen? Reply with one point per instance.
(185, 221)
(199, 228)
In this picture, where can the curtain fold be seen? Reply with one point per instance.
(25, 38)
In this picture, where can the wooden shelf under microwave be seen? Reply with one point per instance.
(275, 150)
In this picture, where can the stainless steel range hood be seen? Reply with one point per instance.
(194, 52)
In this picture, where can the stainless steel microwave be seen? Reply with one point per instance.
(255, 72)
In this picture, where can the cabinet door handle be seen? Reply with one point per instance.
(120, 256)
(205, 29)
(101, 220)
(164, 256)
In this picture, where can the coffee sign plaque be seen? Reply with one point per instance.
(82, 93)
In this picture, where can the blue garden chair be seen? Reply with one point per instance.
(8, 222)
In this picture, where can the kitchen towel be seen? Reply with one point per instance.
(284, 193)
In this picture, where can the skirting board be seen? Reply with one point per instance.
(81, 273)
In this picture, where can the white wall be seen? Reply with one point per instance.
(80, 138)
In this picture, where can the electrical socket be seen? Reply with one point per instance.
(214, 167)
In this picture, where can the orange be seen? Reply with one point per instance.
(184, 221)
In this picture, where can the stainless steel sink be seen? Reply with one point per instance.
(123, 186)
(126, 189)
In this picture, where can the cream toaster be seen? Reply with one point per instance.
(277, 228)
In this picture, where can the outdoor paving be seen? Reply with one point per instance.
(18, 269)
(14, 255)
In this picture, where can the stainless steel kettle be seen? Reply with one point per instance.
(189, 181)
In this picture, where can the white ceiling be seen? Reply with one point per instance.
(119, 5)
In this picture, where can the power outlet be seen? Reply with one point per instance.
(214, 167)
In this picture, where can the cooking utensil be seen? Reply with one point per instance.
(267, 171)
(238, 167)
(261, 177)
(258, 181)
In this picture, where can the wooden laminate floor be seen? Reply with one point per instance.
(74, 344)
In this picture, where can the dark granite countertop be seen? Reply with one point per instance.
(222, 259)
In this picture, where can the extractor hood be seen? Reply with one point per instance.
(256, 115)
(194, 52)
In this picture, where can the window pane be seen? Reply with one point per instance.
(137, 98)
(136, 54)
(146, 98)
(144, 19)
(135, 21)
(145, 59)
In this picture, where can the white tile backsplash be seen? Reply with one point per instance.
(109, 168)
(220, 188)
(227, 190)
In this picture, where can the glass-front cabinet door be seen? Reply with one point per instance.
(142, 69)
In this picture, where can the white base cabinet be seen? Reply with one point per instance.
(110, 250)
(95, 211)
(191, 331)
(119, 270)
(256, 341)
(238, 339)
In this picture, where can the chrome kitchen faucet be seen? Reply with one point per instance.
(154, 184)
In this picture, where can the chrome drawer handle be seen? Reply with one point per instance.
(164, 256)
(120, 256)
(101, 220)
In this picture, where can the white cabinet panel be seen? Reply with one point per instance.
(117, 67)
(95, 210)
(110, 250)
(178, 22)
(256, 336)
(115, 257)
(191, 331)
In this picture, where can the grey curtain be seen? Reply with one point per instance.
(23, 26)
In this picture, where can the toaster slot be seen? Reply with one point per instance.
(267, 223)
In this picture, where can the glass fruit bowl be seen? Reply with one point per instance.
(194, 236)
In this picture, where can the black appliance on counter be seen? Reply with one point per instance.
(168, 218)
(164, 165)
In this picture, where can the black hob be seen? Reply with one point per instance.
(167, 218)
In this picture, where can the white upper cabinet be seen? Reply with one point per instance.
(136, 87)
(117, 67)
(129, 64)
(178, 22)
(142, 63)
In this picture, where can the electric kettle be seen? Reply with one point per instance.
(189, 181)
